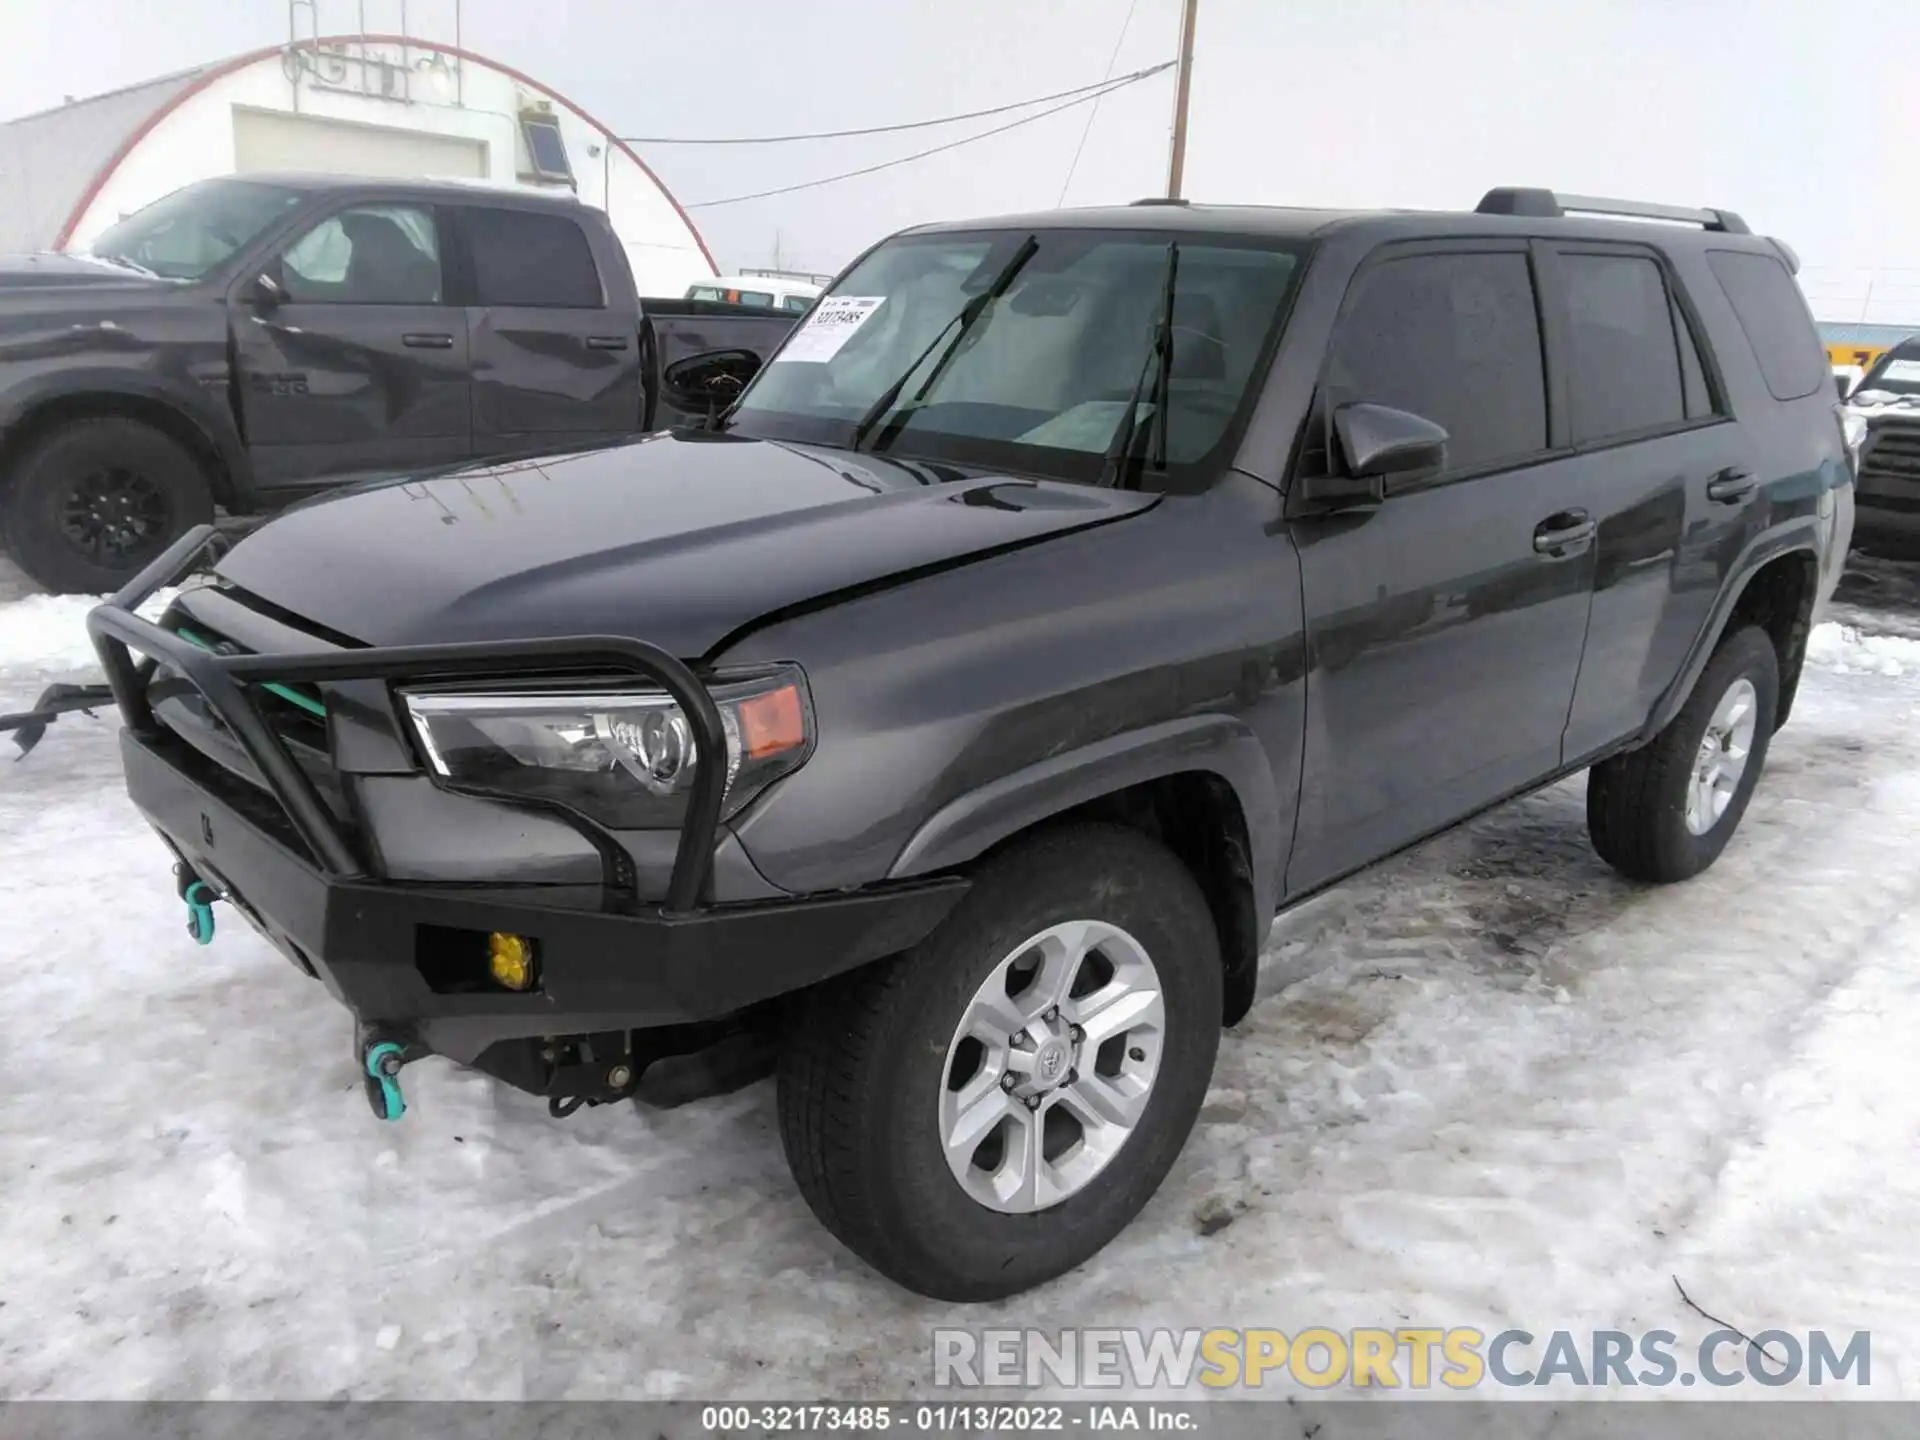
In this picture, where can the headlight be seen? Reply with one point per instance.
(621, 756)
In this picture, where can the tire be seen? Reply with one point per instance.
(1637, 803)
(152, 488)
(866, 1076)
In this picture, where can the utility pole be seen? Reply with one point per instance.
(1183, 78)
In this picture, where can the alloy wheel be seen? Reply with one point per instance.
(1051, 1066)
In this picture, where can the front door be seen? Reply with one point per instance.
(1444, 626)
(555, 363)
(360, 366)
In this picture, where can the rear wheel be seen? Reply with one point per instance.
(90, 504)
(989, 1110)
(1664, 812)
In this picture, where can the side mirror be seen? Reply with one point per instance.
(264, 292)
(709, 382)
(1842, 383)
(1378, 443)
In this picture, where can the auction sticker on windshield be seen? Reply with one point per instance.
(832, 323)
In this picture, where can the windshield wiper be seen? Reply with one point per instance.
(1159, 365)
(969, 315)
(121, 262)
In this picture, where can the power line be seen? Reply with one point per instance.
(1094, 113)
(1118, 84)
(904, 125)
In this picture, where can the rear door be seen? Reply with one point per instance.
(1660, 466)
(361, 366)
(555, 360)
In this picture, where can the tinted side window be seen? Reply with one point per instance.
(523, 258)
(1693, 374)
(369, 255)
(1623, 364)
(1454, 338)
(1775, 318)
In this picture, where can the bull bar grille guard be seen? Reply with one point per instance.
(228, 683)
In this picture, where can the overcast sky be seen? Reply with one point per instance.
(1798, 115)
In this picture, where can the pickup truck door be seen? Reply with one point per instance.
(555, 335)
(1445, 625)
(1668, 478)
(350, 359)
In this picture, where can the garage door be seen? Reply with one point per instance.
(272, 140)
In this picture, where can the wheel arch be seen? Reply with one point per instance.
(1776, 581)
(32, 417)
(1201, 785)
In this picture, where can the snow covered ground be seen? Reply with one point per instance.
(1511, 1090)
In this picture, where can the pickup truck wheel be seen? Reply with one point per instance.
(1664, 812)
(89, 505)
(988, 1110)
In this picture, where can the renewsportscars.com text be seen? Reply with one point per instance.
(1402, 1358)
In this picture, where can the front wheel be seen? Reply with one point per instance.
(989, 1110)
(90, 504)
(1664, 812)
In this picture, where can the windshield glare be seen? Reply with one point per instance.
(1897, 372)
(187, 234)
(1042, 379)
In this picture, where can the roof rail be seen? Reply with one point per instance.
(1536, 204)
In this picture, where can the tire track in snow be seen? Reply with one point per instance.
(1696, 998)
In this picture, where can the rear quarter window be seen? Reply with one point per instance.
(1774, 316)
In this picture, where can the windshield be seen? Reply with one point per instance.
(187, 234)
(1897, 372)
(1040, 381)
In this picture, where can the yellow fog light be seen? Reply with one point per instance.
(510, 958)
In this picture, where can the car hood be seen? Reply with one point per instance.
(51, 270)
(1878, 404)
(680, 540)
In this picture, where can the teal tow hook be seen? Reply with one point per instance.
(383, 1070)
(200, 897)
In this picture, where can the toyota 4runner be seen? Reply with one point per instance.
(1069, 594)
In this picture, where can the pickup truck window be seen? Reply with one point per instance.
(1625, 366)
(523, 258)
(1454, 338)
(1042, 379)
(369, 255)
(185, 235)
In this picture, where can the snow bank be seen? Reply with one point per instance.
(43, 635)
(1843, 649)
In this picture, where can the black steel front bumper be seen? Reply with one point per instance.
(630, 964)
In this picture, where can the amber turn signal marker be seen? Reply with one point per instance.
(510, 958)
(772, 723)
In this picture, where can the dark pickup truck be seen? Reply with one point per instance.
(1068, 594)
(242, 342)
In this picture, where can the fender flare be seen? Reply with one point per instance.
(204, 409)
(1758, 553)
(1215, 744)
